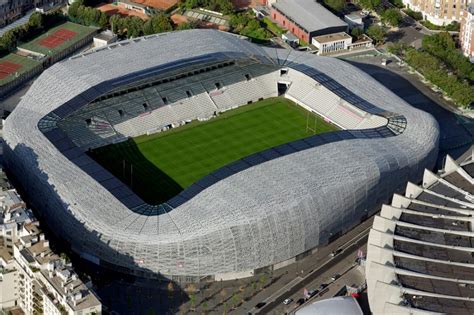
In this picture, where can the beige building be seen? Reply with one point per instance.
(32, 277)
(466, 36)
(439, 12)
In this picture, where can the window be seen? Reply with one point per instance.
(189, 94)
(274, 16)
(283, 72)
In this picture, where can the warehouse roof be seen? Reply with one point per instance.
(309, 14)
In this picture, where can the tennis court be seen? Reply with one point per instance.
(57, 38)
(7, 67)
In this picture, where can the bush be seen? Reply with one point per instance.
(452, 27)
(417, 16)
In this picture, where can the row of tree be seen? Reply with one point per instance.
(246, 24)
(36, 25)
(443, 46)
(440, 63)
(222, 6)
(130, 26)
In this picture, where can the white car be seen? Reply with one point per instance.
(287, 301)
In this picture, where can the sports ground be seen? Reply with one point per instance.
(58, 38)
(159, 166)
(12, 65)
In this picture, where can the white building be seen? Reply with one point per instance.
(355, 20)
(104, 38)
(332, 43)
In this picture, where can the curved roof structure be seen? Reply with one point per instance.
(251, 214)
(420, 250)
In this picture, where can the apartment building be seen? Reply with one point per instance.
(32, 277)
(12, 10)
(466, 35)
(439, 12)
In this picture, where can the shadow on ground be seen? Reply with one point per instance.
(126, 162)
(457, 132)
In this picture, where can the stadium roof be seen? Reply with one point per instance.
(346, 305)
(309, 14)
(256, 213)
(420, 248)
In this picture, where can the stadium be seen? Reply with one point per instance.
(419, 254)
(284, 193)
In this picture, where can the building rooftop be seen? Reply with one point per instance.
(106, 35)
(332, 37)
(309, 14)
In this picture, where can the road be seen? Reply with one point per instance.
(339, 264)
(316, 268)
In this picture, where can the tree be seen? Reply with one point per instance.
(336, 5)
(370, 4)
(377, 33)
(392, 17)
(161, 23)
(36, 20)
(185, 26)
(357, 32)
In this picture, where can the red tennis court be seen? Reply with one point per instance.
(57, 38)
(7, 67)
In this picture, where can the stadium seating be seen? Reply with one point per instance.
(174, 102)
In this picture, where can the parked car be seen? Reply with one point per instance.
(287, 301)
(335, 277)
(335, 253)
(260, 305)
(313, 292)
(322, 286)
(300, 301)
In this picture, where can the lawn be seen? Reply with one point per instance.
(166, 163)
(82, 31)
(26, 65)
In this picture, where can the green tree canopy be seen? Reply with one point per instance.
(392, 17)
(377, 33)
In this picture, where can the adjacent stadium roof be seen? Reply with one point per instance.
(420, 250)
(346, 305)
(309, 14)
(253, 213)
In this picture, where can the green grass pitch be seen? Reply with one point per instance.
(159, 166)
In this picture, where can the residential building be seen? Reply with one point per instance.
(306, 18)
(466, 35)
(12, 10)
(439, 12)
(32, 277)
